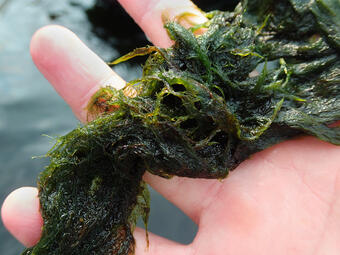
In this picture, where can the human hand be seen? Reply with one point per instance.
(284, 200)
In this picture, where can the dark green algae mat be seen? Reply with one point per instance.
(262, 74)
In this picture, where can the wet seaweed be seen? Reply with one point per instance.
(267, 72)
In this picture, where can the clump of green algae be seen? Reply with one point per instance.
(262, 74)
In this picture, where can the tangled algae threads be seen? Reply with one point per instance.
(195, 112)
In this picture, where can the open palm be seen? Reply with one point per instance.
(284, 200)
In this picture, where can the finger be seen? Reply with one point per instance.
(71, 67)
(150, 15)
(21, 216)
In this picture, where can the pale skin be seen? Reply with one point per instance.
(284, 200)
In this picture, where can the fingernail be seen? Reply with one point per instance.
(188, 16)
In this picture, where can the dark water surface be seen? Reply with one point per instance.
(29, 107)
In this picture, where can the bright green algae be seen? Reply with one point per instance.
(201, 109)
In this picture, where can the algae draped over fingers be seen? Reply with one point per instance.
(259, 75)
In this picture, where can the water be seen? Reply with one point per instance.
(29, 107)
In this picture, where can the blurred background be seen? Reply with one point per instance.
(29, 107)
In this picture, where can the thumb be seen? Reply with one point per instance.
(21, 216)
